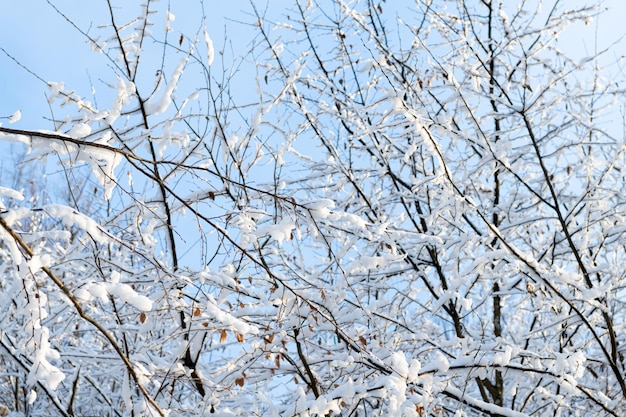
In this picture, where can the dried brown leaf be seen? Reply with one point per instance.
(363, 341)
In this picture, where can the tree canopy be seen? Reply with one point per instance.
(408, 209)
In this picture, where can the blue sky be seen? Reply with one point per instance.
(32, 32)
(42, 40)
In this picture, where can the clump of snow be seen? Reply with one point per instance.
(438, 363)
(169, 18)
(32, 396)
(323, 406)
(414, 369)
(320, 209)
(15, 117)
(350, 219)
(37, 262)
(127, 294)
(504, 17)
(42, 370)
(103, 163)
(97, 290)
(280, 231)
(571, 366)
(126, 392)
(209, 48)
(79, 130)
(399, 364)
(71, 217)
(159, 105)
(345, 390)
(9, 137)
(488, 407)
(400, 401)
(10, 193)
(246, 223)
(125, 90)
(503, 358)
(238, 325)
(411, 150)
(82, 295)
(16, 254)
(55, 89)
(365, 263)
